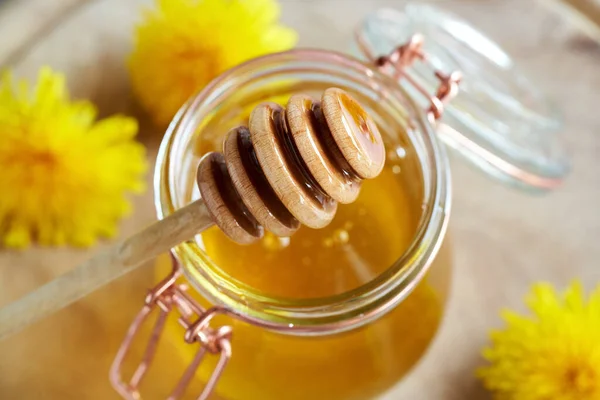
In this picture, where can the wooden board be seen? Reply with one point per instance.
(504, 240)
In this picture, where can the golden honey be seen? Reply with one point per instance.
(364, 239)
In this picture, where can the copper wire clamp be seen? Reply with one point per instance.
(404, 56)
(169, 296)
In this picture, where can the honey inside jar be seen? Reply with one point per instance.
(352, 250)
(364, 239)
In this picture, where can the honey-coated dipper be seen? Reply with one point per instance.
(288, 167)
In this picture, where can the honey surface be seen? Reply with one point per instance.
(363, 240)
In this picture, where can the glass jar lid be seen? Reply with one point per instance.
(499, 120)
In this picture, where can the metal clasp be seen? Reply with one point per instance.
(167, 297)
(402, 57)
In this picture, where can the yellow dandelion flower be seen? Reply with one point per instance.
(64, 176)
(552, 355)
(183, 44)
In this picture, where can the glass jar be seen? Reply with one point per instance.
(369, 318)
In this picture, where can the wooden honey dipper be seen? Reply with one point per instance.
(288, 167)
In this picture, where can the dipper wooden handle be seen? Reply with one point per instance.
(288, 167)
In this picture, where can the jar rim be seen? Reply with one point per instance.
(343, 311)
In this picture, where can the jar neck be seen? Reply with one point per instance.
(175, 173)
